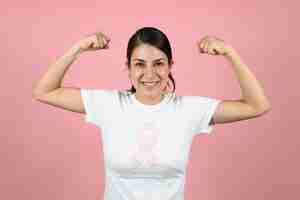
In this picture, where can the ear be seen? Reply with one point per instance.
(126, 67)
(171, 63)
(128, 72)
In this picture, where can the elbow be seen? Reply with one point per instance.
(36, 94)
(37, 91)
(264, 110)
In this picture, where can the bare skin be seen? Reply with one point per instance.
(48, 88)
(254, 103)
(149, 64)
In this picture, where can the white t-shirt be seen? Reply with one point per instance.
(146, 147)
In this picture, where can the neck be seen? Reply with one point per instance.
(150, 100)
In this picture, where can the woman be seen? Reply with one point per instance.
(147, 130)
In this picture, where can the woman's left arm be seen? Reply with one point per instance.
(253, 103)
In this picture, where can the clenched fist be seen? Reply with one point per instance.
(213, 46)
(93, 42)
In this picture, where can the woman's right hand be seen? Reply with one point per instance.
(93, 42)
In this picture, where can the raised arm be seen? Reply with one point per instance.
(48, 88)
(253, 103)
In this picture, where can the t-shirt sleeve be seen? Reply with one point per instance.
(95, 101)
(202, 110)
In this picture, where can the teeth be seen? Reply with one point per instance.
(150, 83)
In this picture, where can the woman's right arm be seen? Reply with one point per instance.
(48, 88)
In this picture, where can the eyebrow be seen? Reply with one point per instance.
(144, 60)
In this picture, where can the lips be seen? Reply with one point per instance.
(149, 83)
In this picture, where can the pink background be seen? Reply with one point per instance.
(49, 153)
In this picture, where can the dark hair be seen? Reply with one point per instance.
(154, 37)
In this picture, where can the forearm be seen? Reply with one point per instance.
(251, 88)
(54, 75)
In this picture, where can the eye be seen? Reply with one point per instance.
(139, 64)
(160, 63)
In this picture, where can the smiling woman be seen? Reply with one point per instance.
(149, 63)
(148, 73)
(148, 129)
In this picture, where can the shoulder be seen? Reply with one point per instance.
(202, 103)
(98, 94)
(197, 98)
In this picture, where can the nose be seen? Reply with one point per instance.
(149, 72)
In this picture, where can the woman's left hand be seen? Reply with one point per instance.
(213, 46)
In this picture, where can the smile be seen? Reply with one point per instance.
(153, 83)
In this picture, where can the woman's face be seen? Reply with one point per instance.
(149, 71)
